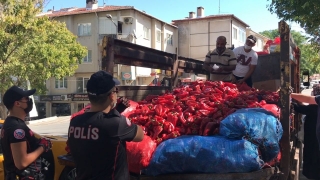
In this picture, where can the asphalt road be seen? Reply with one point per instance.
(56, 126)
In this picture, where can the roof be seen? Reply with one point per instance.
(213, 17)
(258, 33)
(76, 11)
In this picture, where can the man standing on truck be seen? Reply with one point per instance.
(220, 62)
(311, 100)
(97, 138)
(247, 60)
(21, 149)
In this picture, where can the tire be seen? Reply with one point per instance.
(68, 173)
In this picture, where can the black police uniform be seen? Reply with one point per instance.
(15, 130)
(97, 143)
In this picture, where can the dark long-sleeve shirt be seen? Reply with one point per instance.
(311, 155)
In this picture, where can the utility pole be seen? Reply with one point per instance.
(219, 7)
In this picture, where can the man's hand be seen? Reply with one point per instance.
(240, 81)
(233, 79)
(45, 143)
(125, 101)
(123, 104)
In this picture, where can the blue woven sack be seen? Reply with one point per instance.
(204, 154)
(257, 125)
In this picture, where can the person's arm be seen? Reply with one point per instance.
(232, 63)
(128, 131)
(250, 72)
(302, 109)
(306, 98)
(252, 67)
(206, 64)
(122, 105)
(21, 158)
(139, 135)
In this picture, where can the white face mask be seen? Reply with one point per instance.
(114, 105)
(247, 47)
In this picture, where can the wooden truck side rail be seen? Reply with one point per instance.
(116, 51)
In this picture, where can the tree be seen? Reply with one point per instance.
(309, 55)
(310, 59)
(34, 48)
(306, 13)
(298, 38)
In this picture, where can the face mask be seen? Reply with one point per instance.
(247, 47)
(221, 49)
(114, 105)
(29, 106)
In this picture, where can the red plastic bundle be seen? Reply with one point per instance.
(131, 109)
(272, 108)
(140, 153)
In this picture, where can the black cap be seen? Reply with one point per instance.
(100, 83)
(252, 38)
(15, 93)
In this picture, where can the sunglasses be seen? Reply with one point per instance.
(115, 91)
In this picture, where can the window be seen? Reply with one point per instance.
(106, 26)
(82, 85)
(61, 83)
(259, 44)
(242, 35)
(88, 58)
(235, 33)
(158, 35)
(169, 39)
(84, 29)
(145, 33)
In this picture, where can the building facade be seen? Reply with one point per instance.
(68, 95)
(261, 40)
(198, 33)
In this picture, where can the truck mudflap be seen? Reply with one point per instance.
(263, 174)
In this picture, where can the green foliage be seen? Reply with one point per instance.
(309, 54)
(34, 48)
(270, 33)
(310, 59)
(298, 38)
(306, 13)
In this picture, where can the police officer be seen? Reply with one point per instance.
(97, 138)
(21, 149)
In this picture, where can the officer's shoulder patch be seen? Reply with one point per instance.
(128, 122)
(19, 134)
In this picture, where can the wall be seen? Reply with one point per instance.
(219, 27)
(174, 32)
(72, 84)
(183, 38)
(240, 41)
(196, 38)
(142, 21)
(91, 42)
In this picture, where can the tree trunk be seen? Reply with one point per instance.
(3, 112)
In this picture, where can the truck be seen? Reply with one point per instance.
(277, 72)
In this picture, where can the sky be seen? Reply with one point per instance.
(252, 12)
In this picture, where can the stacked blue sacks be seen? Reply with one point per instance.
(257, 125)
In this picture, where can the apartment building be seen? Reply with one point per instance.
(198, 32)
(91, 24)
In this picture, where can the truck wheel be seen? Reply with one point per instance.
(68, 173)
